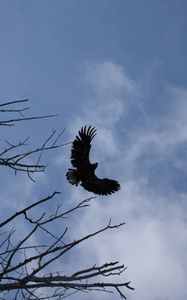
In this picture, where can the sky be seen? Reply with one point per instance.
(119, 66)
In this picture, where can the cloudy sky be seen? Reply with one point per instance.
(120, 66)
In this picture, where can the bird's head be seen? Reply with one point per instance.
(95, 165)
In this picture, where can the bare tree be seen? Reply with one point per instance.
(12, 156)
(27, 268)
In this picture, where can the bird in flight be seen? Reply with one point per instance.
(84, 171)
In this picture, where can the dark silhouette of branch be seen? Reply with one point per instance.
(12, 121)
(15, 274)
(13, 102)
(28, 261)
(13, 157)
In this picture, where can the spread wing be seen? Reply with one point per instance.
(101, 186)
(81, 147)
(84, 172)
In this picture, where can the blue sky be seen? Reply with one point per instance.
(120, 66)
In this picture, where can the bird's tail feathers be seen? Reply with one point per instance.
(72, 176)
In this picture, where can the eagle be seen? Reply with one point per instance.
(84, 171)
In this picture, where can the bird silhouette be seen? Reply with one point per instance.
(84, 171)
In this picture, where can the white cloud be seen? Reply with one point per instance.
(110, 83)
(108, 77)
(12, 199)
(153, 244)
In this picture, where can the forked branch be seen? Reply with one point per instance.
(13, 157)
(16, 275)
